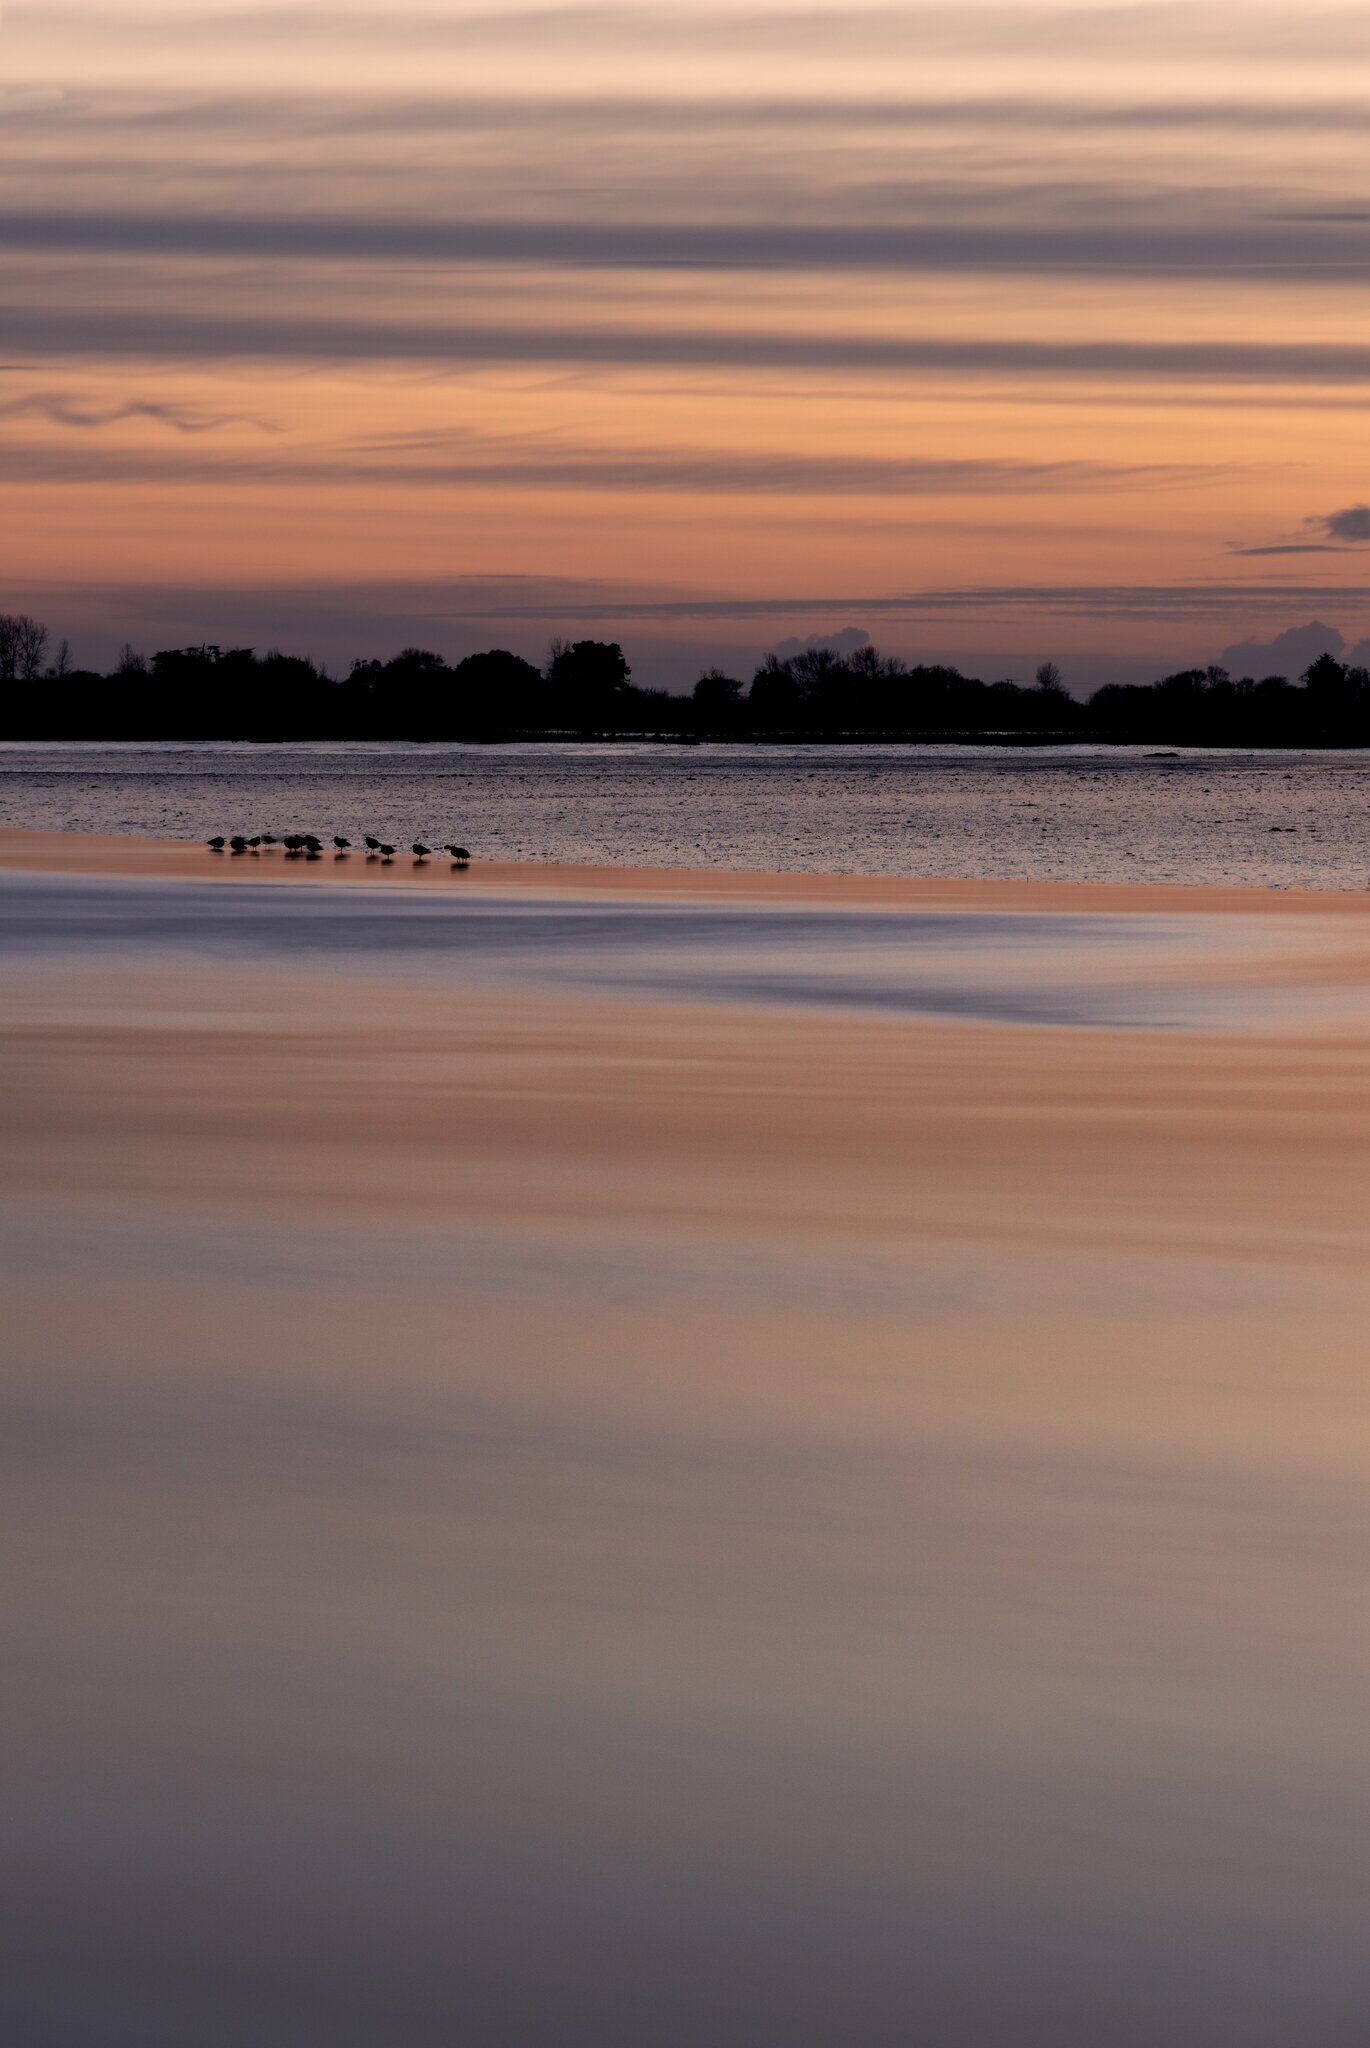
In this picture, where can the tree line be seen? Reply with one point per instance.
(585, 690)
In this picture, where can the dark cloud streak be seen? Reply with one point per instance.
(1095, 601)
(1257, 248)
(169, 334)
(1352, 523)
(341, 113)
(702, 472)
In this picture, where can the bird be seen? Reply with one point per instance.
(255, 842)
(268, 839)
(217, 843)
(312, 843)
(459, 855)
(237, 844)
(387, 854)
(371, 843)
(420, 851)
(343, 845)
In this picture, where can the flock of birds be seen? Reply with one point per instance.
(307, 846)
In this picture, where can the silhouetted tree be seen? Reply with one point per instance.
(497, 692)
(773, 701)
(22, 643)
(1337, 698)
(717, 701)
(588, 684)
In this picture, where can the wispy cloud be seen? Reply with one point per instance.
(1292, 547)
(489, 464)
(64, 411)
(1269, 33)
(1104, 262)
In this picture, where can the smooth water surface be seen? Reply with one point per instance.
(520, 1530)
(1072, 968)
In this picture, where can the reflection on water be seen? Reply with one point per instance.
(518, 1627)
(1043, 968)
(605, 1663)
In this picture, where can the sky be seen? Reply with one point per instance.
(996, 330)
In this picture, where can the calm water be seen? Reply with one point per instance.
(1075, 813)
(1070, 968)
(467, 1586)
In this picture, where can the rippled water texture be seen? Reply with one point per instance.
(1076, 813)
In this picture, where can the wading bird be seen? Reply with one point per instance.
(459, 854)
(420, 852)
(343, 845)
(371, 844)
(217, 843)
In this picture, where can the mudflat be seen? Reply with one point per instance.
(93, 853)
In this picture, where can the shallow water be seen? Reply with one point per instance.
(389, 1657)
(1074, 968)
(478, 1569)
(1079, 813)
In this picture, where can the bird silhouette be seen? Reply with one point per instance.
(387, 855)
(217, 843)
(420, 852)
(237, 844)
(371, 843)
(459, 854)
(343, 845)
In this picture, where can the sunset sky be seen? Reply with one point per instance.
(998, 331)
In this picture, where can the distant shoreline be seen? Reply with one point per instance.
(1026, 741)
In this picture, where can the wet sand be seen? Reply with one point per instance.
(543, 1518)
(90, 853)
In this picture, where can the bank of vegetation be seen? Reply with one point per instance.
(585, 690)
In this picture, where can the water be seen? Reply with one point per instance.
(481, 1567)
(536, 1518)
(1069, 968)
(1073, 813)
